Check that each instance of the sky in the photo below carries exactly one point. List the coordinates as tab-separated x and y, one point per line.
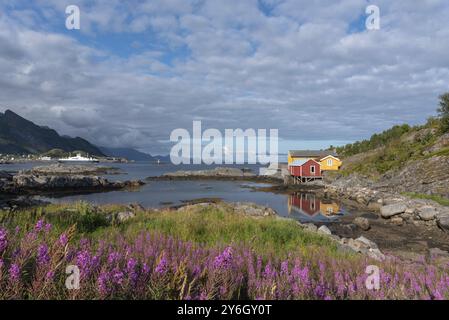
138	69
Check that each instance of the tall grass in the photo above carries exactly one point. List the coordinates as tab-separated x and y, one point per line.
196	254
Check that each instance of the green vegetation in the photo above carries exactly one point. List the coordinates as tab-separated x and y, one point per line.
376	141
443	112
441	200
394	147
208	226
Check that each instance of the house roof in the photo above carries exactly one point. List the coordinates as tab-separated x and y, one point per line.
297	163
329	156
312	153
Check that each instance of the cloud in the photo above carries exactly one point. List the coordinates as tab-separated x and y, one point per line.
139	69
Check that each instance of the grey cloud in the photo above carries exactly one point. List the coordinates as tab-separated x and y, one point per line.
297	70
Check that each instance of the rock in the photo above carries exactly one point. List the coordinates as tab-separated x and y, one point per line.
310	227
69	169
374	206
126	215
397	221
252	209
437	252
443	222
29	182
427	213
214	173
392	210
369	243
324	230
376	254
362	223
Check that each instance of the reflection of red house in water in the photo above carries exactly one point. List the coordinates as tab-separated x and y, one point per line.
304	203
305	170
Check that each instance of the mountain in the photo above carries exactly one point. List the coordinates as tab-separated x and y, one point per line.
132	154
21	136
128	153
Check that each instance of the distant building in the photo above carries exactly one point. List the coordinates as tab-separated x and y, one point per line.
330	163
308	165
305	170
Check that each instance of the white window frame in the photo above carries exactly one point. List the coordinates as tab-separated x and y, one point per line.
330	162
312	170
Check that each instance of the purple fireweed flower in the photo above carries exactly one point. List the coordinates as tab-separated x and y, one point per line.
47	227
145	268
14	272
3	240
117	276
102	283
63	240
42	254
224	259
131	269
284	267
39	225
83	260
17	230
50	275
113	257
162	266
1	264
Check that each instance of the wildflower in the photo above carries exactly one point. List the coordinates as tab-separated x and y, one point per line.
3	240
83	260
117	276
14	272
102	283
50	275
39	225
47	227
113	257
162	266
131	269
42	254
224	259
63	240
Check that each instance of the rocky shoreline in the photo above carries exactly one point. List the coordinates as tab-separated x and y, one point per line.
392	207
60	179
219	173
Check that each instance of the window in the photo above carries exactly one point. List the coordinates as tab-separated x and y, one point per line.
312	170
330	162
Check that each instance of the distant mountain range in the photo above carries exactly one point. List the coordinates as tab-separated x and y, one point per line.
132	154
21	136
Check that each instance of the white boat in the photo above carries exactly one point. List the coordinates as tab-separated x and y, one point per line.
78	158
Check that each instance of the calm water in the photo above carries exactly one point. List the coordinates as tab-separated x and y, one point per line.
302	206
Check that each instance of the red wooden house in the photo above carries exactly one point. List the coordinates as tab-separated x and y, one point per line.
305	170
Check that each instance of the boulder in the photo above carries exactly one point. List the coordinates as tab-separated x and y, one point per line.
427	213
376	254
362	223
126	215
324	230
369	243
397	221
310	227
443	222
252	209
392	210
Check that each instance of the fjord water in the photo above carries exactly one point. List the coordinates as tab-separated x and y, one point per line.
301	206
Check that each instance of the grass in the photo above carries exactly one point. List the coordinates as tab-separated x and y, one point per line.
441	200
207	226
